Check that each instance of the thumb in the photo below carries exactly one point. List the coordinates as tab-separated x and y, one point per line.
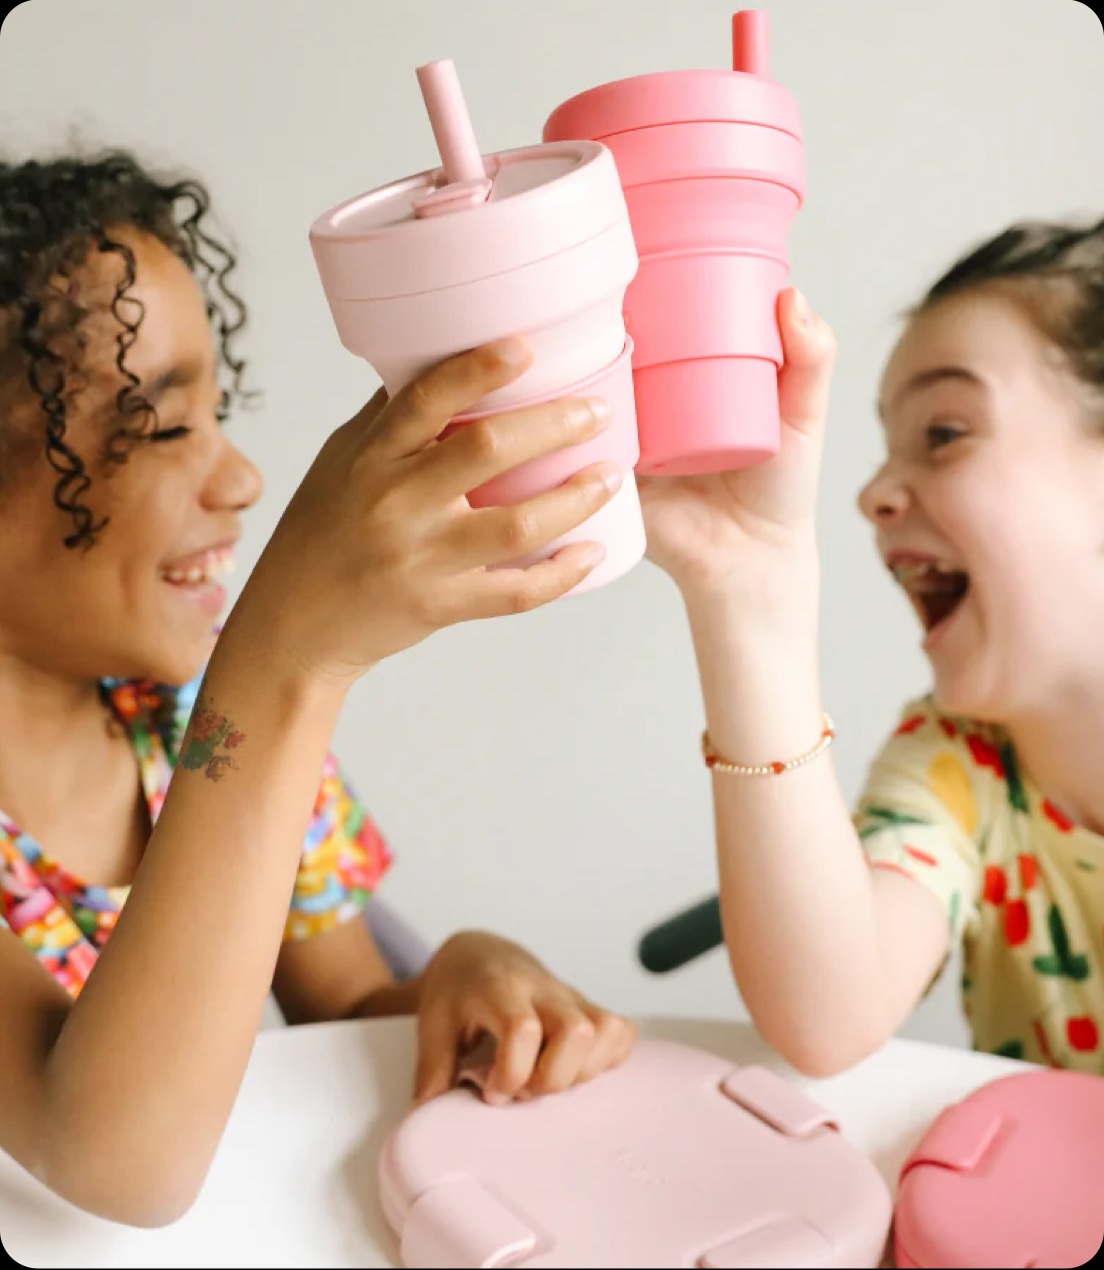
809	349
438	1040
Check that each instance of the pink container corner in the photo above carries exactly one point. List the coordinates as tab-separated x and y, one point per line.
1011	1176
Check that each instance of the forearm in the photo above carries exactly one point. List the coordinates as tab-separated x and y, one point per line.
796	896
145	1071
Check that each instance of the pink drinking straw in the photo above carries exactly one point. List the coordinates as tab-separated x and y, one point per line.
466	183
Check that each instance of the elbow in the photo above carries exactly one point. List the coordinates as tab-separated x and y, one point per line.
157	1198
820	1053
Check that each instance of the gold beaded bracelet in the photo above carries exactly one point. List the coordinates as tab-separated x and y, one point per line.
716	763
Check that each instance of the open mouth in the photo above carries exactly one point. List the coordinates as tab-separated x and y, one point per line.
206	570
935	591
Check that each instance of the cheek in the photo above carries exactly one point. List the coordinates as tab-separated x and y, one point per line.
146	520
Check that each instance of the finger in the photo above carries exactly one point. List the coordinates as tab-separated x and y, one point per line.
571	1036
496	535
438	1049
506	592
477	452
519	1034
421	410
809	349
613	1042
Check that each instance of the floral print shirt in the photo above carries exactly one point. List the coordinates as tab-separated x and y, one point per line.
1022	887
65	921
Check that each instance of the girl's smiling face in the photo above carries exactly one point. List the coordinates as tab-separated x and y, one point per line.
143	601
989	508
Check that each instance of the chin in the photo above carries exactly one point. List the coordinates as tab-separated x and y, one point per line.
965	694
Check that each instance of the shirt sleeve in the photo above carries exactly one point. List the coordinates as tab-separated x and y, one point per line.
344	859
918	813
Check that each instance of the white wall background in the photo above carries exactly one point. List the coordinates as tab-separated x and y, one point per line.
541	776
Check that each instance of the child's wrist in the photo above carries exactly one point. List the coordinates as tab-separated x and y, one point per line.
778	596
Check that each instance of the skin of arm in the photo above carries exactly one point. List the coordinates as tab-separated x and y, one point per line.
829	955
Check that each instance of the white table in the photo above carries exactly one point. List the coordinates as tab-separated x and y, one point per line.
294	1181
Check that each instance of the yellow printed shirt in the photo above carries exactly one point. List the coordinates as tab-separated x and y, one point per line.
66	922
1023	888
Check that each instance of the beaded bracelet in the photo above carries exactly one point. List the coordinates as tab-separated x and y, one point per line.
717	764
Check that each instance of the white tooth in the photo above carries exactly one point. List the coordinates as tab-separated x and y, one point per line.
195	575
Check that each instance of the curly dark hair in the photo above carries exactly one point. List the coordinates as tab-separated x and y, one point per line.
53	215
1056	271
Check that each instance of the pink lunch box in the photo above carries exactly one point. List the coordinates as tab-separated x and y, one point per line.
673	1159
1011	1176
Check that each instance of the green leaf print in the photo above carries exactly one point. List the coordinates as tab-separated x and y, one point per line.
1085	866
1010	1049
1016	795
1058	934
1063	962
885	816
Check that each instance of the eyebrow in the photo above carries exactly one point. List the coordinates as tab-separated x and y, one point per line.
928	378
182	375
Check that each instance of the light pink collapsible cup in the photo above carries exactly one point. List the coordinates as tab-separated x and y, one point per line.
534	242
713	167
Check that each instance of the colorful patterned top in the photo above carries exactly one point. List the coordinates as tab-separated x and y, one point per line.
66	922
1022	887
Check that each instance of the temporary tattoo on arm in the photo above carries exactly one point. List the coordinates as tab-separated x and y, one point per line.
209	735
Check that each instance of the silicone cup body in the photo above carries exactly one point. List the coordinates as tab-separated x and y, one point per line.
712	166
549	256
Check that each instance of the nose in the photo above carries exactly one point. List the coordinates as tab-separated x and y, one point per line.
235	482
884	497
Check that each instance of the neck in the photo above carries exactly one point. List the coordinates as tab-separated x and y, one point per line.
53	726
1061	747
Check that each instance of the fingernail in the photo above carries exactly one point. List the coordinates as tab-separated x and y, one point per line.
611	477
512	351
593	556
802	311
600	409
495	1097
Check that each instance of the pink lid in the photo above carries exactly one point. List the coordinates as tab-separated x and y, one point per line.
543	200
745	95
1011	1176
472	218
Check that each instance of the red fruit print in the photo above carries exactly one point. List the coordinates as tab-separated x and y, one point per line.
949	729
1055	817
910	725
923	856
996	885
892	868
1029	871
1083	1034
1017	923
985	753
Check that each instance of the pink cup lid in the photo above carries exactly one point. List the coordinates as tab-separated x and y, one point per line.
746	94
474	217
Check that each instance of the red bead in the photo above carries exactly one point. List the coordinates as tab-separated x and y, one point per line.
778	768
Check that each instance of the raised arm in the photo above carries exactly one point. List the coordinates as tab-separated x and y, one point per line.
118	1101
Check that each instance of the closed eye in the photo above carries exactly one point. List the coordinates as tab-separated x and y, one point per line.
170	434
939	435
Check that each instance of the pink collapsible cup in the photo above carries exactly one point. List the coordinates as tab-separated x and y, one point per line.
713	167
534	242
